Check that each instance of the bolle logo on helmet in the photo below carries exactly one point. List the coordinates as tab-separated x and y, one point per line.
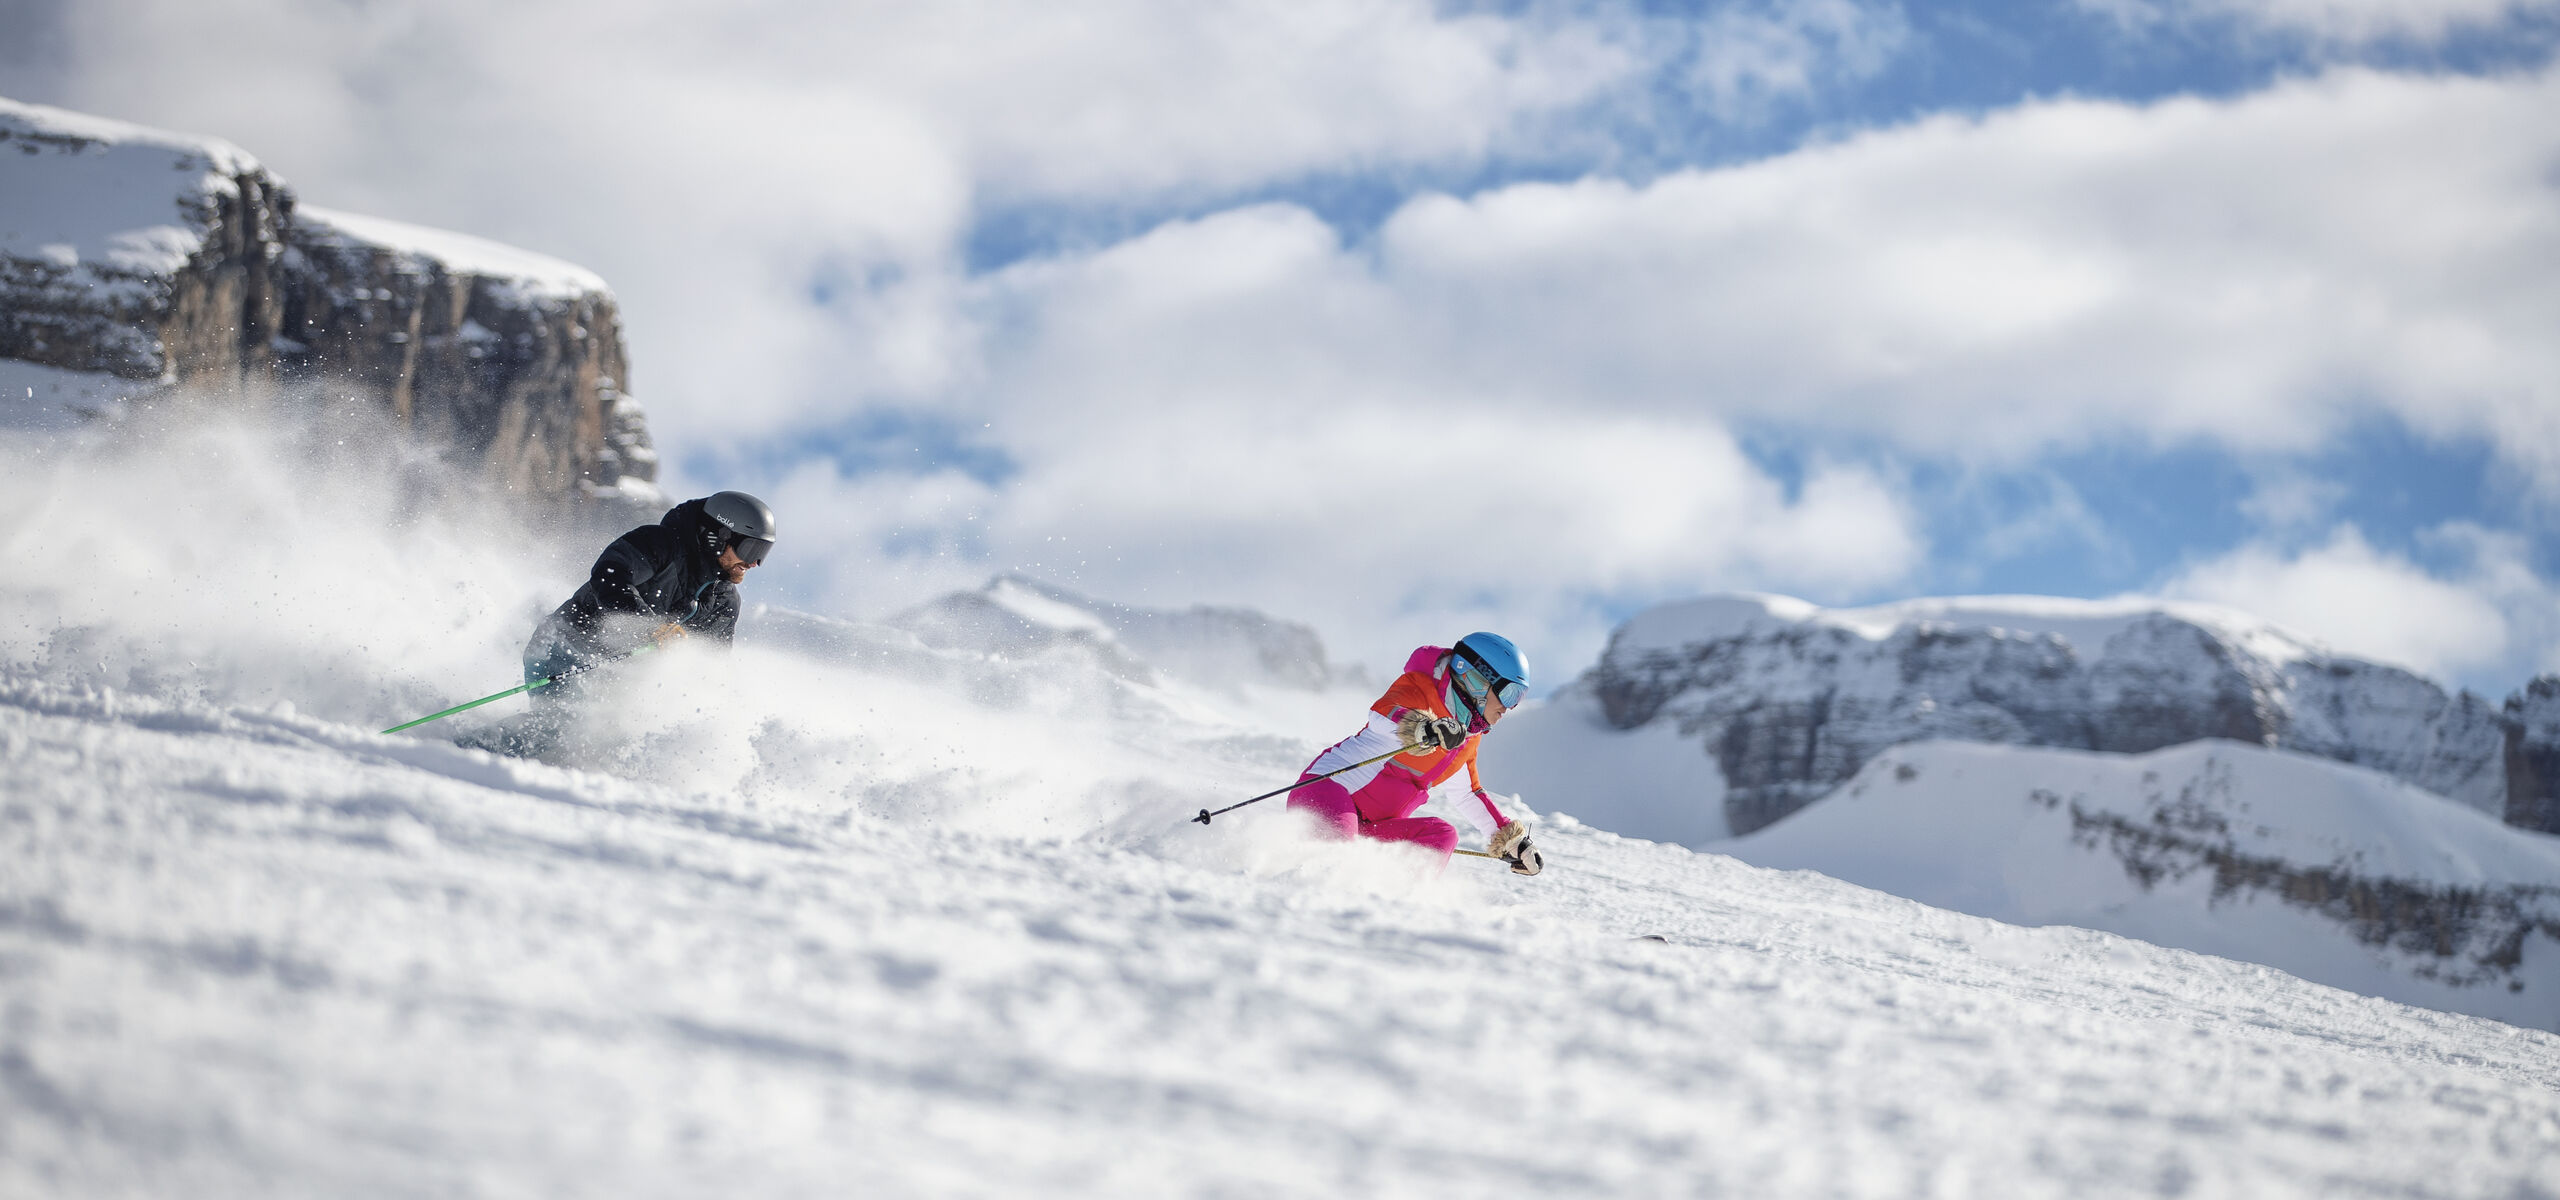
741	524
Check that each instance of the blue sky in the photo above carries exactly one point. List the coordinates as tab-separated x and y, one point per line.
1405	319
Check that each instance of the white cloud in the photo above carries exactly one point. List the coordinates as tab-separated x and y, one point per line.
2259	273
1742	56
2480	620
1242	409
2063	275
2283	499
2340	23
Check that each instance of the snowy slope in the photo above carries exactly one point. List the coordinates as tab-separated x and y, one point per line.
844	913
2330	872
1651	782
260	953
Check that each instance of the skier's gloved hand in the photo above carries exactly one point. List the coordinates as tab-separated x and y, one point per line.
1511	844
1422	731
668	633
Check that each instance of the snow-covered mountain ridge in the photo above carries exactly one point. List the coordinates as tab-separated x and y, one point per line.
1790	701
2331	872
137	262
1015	616
2185	775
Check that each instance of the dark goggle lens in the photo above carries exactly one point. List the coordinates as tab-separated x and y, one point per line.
1482	685
750	550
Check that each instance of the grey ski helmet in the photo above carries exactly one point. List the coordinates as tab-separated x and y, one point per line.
741	522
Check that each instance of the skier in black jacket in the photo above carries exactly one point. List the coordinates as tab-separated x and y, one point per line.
656	583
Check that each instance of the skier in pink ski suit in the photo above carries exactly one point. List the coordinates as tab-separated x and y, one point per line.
1445	702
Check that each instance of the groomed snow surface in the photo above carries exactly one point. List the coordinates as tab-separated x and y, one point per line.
839	914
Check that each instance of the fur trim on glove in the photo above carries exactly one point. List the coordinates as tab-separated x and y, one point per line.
1507	838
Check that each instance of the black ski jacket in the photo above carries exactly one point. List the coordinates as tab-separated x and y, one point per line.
665	572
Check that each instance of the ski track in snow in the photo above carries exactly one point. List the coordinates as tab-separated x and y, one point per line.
838	914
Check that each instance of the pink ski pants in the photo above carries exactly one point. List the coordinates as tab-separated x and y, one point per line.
1377	811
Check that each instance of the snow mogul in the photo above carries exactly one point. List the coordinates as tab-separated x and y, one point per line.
652	586
1438	711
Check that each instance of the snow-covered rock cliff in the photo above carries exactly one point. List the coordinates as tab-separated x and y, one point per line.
2185	775
135	261
1785	702
2533	756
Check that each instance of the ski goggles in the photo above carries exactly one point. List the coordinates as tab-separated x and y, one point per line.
1492	694
750	550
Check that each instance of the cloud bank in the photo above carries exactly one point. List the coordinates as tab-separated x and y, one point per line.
1548	378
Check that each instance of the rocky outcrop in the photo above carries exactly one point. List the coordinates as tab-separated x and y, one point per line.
2448	932
2533	756
1791	701
514	365
2461	936
2328	871
180	263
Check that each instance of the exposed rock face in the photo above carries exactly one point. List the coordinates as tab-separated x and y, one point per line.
180	262
2533	756
511	362
1791	701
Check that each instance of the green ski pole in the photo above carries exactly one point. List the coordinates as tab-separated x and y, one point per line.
543	682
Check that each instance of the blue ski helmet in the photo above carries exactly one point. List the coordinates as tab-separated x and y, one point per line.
1489	673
